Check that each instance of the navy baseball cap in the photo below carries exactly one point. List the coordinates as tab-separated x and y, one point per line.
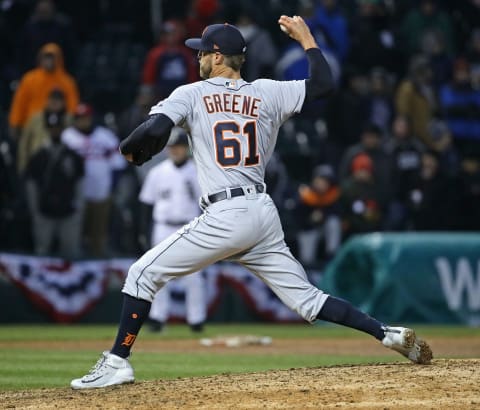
224	38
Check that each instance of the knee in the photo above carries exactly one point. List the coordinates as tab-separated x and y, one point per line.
143	281
138	283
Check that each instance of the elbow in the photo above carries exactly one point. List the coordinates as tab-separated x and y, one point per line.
321	82
320	88
328	82
328	86
159	125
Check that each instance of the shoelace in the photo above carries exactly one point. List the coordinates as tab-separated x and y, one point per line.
97	366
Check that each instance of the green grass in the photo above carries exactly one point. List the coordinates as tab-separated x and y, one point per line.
11	333
35	368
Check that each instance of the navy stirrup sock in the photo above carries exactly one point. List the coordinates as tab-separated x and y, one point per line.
134	313
340	311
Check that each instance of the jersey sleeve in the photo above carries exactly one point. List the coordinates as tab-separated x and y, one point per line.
177	106
287	97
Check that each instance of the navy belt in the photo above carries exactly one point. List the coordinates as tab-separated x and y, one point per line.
234	192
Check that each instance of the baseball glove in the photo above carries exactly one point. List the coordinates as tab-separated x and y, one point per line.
148	139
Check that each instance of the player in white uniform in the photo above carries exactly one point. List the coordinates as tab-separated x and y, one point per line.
233	127
170	193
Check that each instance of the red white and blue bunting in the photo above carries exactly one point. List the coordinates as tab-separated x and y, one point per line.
66	291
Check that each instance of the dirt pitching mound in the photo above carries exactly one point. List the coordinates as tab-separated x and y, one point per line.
443	384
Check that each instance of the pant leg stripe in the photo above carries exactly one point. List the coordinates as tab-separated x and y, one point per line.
153	261
164	250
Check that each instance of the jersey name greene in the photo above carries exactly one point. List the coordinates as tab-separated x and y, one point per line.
234	103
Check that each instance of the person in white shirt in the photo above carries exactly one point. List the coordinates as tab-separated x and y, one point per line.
170	195
98	146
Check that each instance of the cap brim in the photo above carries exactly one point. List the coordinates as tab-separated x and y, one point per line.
195	43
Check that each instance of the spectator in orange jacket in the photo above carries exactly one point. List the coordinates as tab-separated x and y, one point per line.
35	86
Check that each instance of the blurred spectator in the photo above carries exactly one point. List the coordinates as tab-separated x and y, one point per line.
361	202
433	46
36	85
373	38
125	203
170	64
381	105
318	211
45	25
277	180
201	14
134	115
465	17
431	199
473	48
437	109
123	226
347	112
415	98
98	146
460	104
372	145
13	211
36	133
426	16
406	155
54	189
468	194
475	76
447	154
330	18
261	54
88	16
7	69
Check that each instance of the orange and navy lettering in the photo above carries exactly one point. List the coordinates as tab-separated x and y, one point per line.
129	339
250	130
232	103
228	150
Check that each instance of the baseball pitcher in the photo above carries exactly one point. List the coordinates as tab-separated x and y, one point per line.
233	126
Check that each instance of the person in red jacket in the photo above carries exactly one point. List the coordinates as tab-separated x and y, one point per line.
170	64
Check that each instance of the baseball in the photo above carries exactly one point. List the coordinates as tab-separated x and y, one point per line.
284	29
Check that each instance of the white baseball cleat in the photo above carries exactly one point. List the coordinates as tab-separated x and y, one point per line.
109	370
405	342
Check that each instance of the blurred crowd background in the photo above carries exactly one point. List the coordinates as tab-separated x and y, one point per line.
395	148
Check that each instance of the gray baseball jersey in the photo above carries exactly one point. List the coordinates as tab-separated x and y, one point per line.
233	126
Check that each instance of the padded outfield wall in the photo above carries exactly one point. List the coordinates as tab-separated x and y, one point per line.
410	277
